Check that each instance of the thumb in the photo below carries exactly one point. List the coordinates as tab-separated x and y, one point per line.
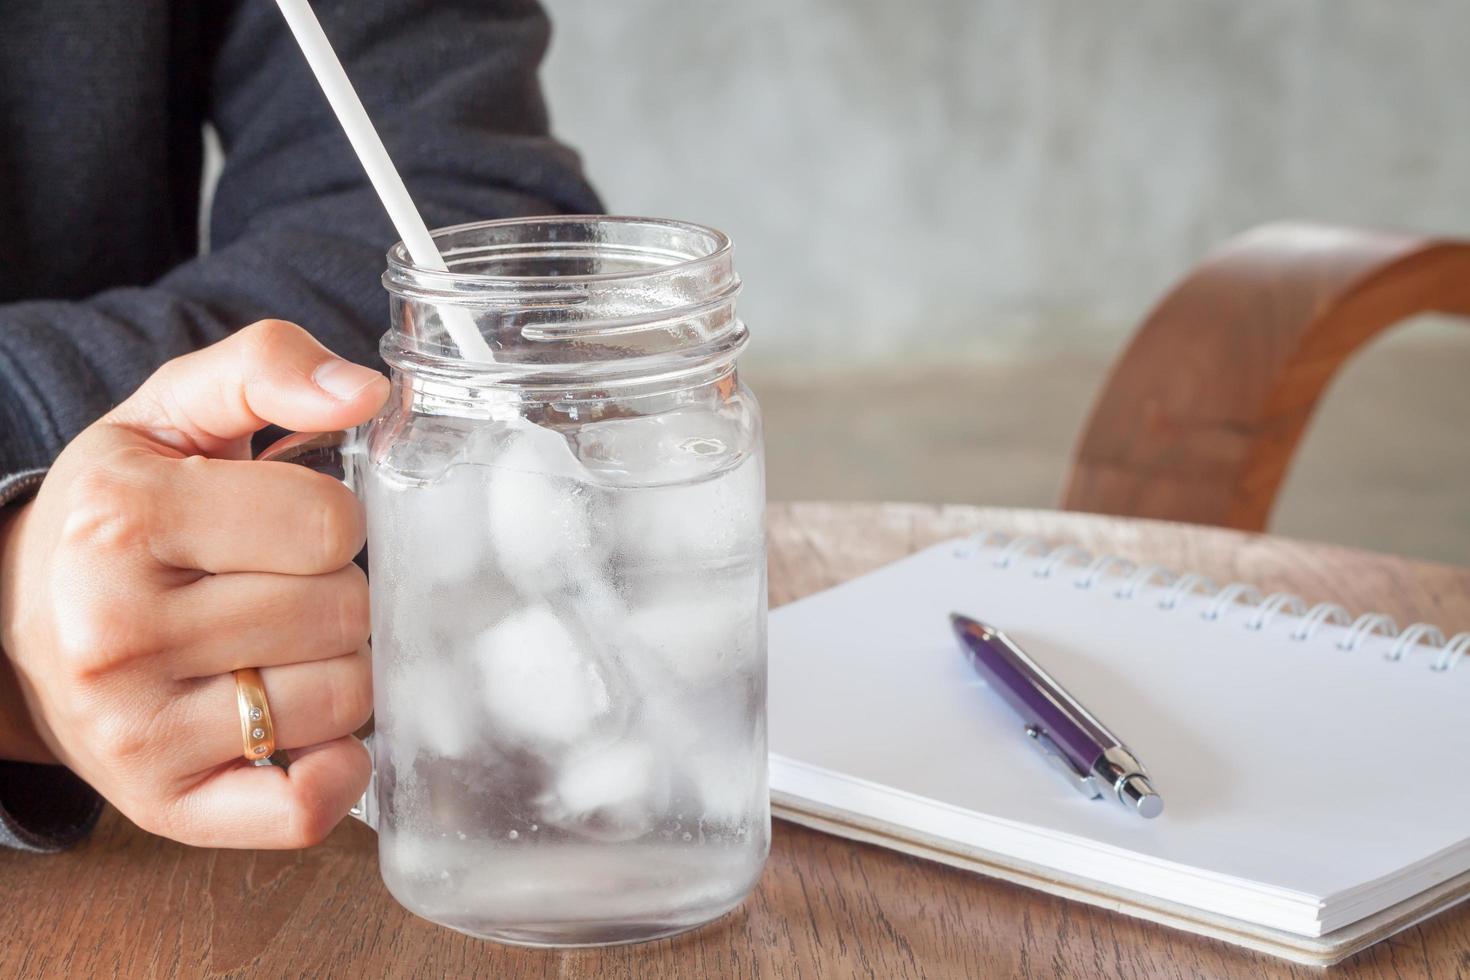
269	373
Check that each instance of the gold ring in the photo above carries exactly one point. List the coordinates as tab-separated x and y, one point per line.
255	715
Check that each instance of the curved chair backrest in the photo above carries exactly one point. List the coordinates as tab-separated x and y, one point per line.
1200	415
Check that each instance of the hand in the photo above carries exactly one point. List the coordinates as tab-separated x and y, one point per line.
157	558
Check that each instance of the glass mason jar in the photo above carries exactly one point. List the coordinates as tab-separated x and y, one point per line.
567	561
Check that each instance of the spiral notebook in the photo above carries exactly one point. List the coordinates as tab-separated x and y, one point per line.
1314	766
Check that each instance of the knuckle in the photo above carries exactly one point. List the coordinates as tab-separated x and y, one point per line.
339	528
311	820
192	471
164	818
118	736
79	645
147	818
267	340
99	635
354	610
144	818
104	512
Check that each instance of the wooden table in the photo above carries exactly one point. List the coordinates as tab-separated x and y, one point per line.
125	903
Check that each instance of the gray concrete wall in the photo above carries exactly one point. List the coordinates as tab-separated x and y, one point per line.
999	176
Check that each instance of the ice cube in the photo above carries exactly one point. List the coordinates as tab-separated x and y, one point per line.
429	706
711	522
698	634
728	785
437	531
611	793
670	447
541	685
540	513
599	611
411	854
446	721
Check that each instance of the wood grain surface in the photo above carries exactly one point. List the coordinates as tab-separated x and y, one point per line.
128	904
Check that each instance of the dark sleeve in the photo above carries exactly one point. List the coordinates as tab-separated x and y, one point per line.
44	808
296	230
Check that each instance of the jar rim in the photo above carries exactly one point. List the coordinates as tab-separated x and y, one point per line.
400	263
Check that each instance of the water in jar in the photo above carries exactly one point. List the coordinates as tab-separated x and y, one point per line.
569	660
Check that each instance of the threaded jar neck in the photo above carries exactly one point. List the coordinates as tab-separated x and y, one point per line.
570	302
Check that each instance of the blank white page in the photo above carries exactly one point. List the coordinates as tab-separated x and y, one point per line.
1293	772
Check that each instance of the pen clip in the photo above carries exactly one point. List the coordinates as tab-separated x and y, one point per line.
1084	783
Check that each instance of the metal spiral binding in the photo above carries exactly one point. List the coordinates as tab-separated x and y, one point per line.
1055	557
1365	626
1322	612
1452	651
1235	592
1100	567
1143	577
1184	585
1275	603
1263	609
1019	547
1413	634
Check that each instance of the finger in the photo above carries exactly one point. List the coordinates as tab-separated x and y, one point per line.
256	619
249	806
309	703
225	515
271	372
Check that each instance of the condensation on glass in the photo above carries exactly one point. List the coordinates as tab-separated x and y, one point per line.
568	576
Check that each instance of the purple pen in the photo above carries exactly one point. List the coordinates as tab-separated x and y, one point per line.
1092	758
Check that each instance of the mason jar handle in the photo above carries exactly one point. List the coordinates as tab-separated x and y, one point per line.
326	452
320	451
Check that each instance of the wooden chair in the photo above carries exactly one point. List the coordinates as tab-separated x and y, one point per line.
1200	415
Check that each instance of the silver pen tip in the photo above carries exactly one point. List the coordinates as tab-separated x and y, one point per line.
1138	795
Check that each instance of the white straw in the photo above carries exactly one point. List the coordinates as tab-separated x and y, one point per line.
380	170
